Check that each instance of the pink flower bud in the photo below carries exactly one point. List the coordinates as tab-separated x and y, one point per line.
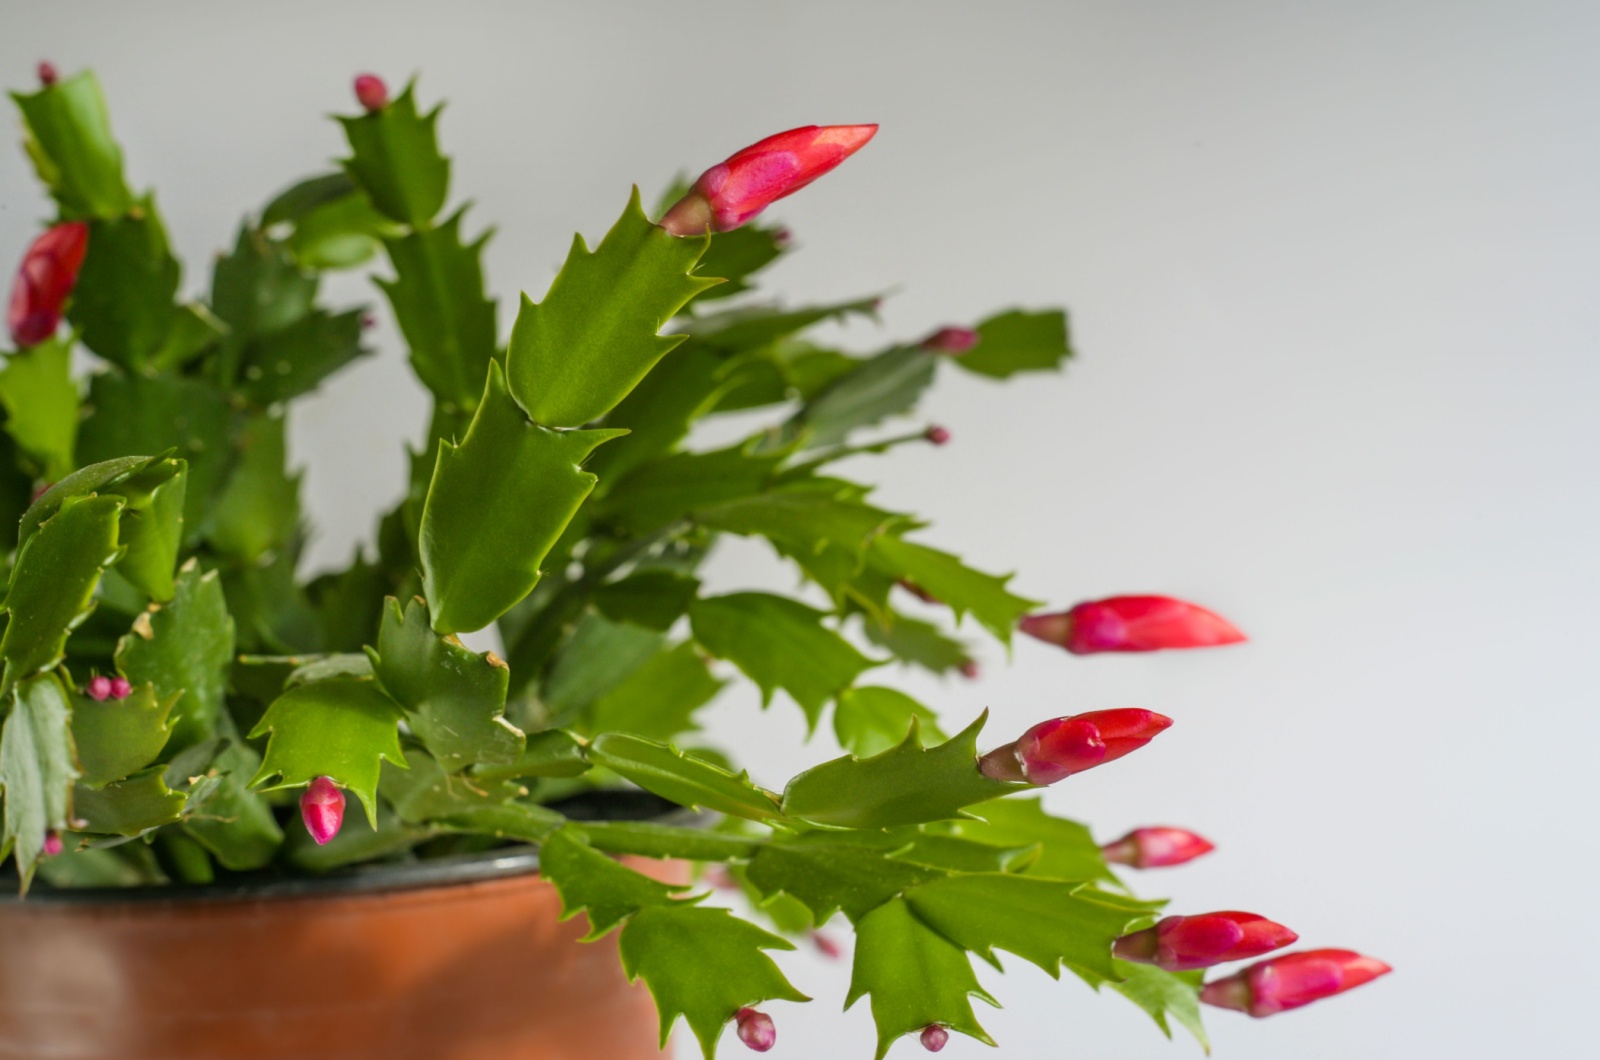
937	435
732	192
1131	623
721	879
1154	848
371	92
756	1029
1184	943
99	689
368	321
954	341
121	688
44	280
322	809
1054	750
1293	980
781	238
970	669
826	945
47	73
53	844
933	1037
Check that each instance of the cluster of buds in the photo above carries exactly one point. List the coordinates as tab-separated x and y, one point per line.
1056	749
44	281
102	688
322	809
1131	623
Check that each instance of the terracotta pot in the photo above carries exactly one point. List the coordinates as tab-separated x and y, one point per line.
454	960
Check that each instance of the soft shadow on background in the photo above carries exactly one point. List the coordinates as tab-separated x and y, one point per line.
1332	270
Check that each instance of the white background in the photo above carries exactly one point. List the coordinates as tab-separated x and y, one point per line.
1332	268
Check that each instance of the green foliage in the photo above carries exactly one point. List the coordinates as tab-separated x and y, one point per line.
69	140
658	700
128	807
53	582
283	364
869	721
589	881
956	585
124	299
498	502
654	599
37	768
1018	341
115	738
886	385
41	404
394	157
259	508
575	356
235	824
668	772
836	871
1066	849
1164	995
917	642
184	648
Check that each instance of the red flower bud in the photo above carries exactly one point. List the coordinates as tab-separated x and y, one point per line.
371	92
970	669
756	1029
1154	848
1184	943
53	844
954	341
1131	623
121	688
322	809
934	1037
827	945
1054	750
1293	980
937	435
47	73
732	192
44	280
99	689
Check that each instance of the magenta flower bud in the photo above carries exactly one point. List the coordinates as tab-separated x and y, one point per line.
368	321
1154	848
756	1029
44	281
731	193
937	435
99	689
1184	943
781	238
1131	623
53	844
47	73
970	669
322	809
1293	980
371	92
953	341
827	946
121	688
933	1037
1054	750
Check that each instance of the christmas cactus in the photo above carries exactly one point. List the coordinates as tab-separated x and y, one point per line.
181	707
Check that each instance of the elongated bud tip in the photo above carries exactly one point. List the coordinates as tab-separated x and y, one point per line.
1293	980
937	435
827	945
1131	623
121	688
322	809
98	689
47	73
53	844
371	92
933	1037
1054	750
952	341
1185	943
44	281
1156	847
756	1029
970	669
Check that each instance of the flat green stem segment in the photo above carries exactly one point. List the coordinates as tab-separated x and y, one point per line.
41	404
668	772
1018	341
394	157
37	769
118	737
69	140
498	502
455	698
129	807
184	646
588	880
578	353
953	583
340	729
53	582
915	976
666	841
909	784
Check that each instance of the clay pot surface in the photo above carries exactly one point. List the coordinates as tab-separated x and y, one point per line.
479	969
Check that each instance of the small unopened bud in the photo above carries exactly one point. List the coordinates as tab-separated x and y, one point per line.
937	435
121	688
1155	848
1293	980
1054	750
1184	943
53	844
99	689
826	945
953	341
720	878
934	1037
781	238
45	279
47	73
368	321
39	491
1131	623
756	1029
322	809
970	669
371	92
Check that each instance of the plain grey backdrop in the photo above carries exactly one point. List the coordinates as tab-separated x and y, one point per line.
1332	270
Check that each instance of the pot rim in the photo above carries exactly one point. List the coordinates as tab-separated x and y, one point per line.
521	859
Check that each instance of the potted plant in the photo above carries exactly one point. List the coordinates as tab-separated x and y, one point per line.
187	720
